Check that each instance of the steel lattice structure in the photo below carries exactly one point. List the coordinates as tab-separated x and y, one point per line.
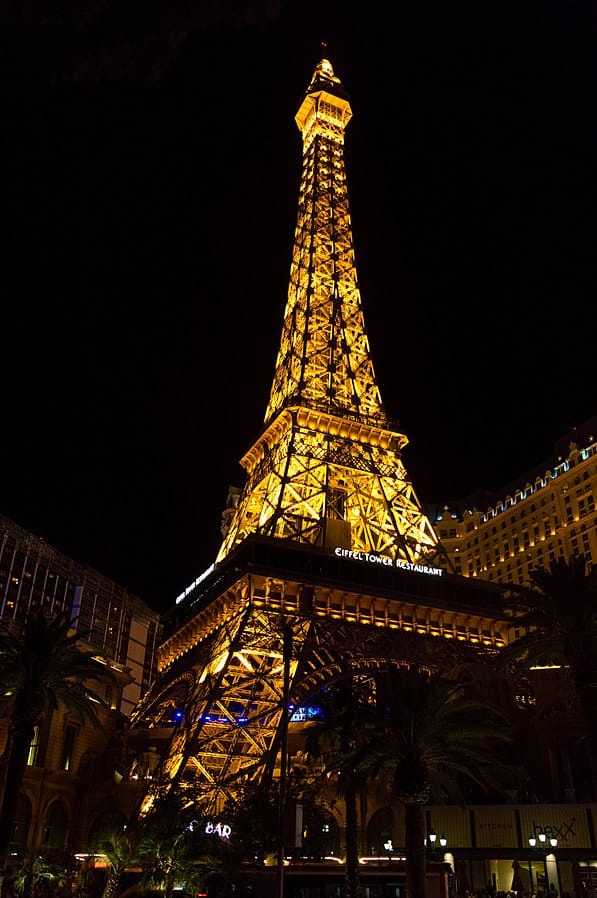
327	467
326	486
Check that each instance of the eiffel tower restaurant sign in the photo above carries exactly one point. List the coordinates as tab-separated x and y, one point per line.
372	558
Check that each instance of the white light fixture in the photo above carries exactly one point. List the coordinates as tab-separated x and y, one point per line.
431	841
544	844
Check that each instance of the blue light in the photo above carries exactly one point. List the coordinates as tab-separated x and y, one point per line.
305	713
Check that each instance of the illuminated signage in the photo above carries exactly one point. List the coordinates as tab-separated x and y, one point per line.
195	583
304	713
212	829
218	829
372	558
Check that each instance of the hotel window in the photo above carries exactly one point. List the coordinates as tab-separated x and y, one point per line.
33	748
68	744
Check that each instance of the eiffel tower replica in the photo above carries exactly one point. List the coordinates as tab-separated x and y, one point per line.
329	565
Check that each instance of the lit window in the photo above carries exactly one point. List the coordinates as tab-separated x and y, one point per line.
33	748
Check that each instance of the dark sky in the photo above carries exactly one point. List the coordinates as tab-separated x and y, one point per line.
151	165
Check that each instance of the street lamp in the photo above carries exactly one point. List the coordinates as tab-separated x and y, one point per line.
434	843
546	847
287	657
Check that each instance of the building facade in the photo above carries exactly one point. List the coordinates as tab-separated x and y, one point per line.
117	623
73	778
546	514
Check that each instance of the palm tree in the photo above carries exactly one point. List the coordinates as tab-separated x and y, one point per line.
557	618
339	740
41	667
253	817
173	845
32	868
431	739
121	851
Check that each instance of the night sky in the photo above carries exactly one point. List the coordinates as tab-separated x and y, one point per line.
151	166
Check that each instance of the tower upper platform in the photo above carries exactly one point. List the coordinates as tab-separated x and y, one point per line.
326	469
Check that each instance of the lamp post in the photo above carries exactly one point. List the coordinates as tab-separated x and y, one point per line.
389	849
435	848
435	843
546	846
286	656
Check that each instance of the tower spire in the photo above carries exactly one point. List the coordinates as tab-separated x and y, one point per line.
326	468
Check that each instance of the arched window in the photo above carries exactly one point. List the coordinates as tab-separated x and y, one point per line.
20	827
54	832
381	829
320	833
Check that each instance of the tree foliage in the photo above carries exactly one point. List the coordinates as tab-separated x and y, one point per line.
431	739
418	733
42	667
555	618
339	741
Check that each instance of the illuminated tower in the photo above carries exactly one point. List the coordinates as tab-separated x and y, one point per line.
328	566
327	469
